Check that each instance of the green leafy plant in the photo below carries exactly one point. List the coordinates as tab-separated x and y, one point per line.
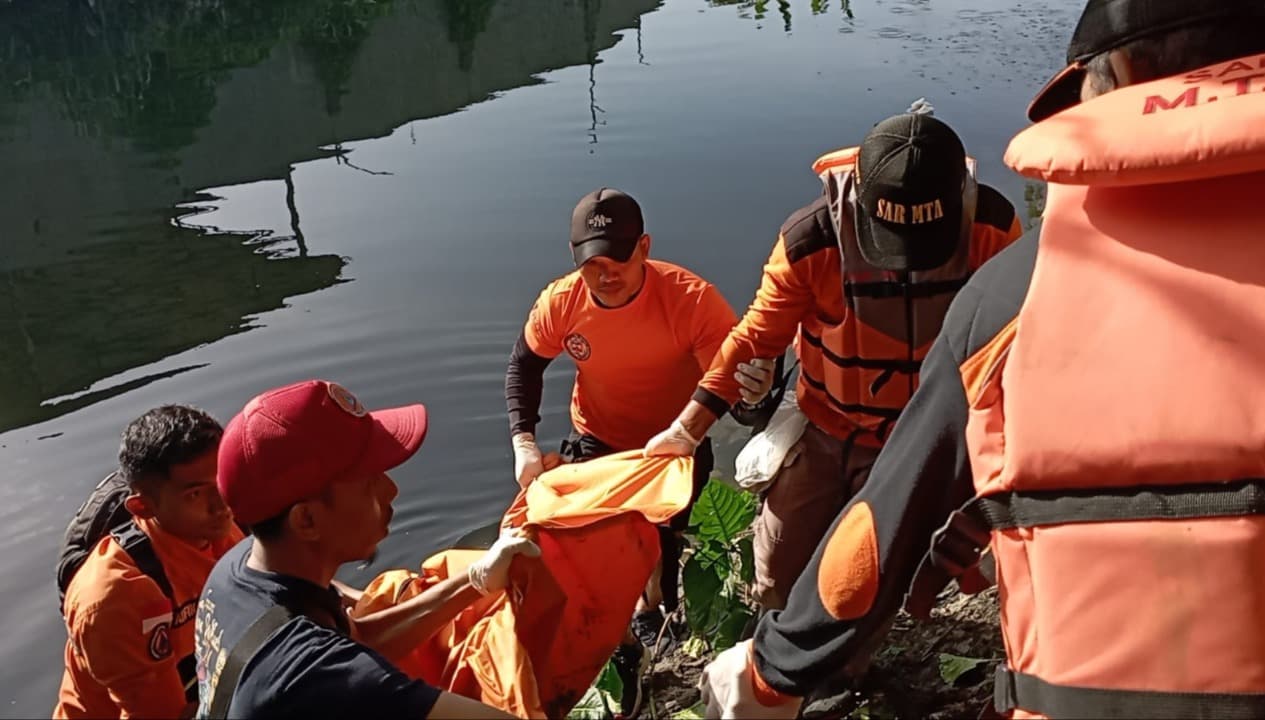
954	667
600	700
721	565
690	713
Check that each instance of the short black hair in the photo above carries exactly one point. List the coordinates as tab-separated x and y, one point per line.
274	527
1181	50
271	528
163	437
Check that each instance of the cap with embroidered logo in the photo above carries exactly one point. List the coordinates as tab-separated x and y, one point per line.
912	171
290	443
605	223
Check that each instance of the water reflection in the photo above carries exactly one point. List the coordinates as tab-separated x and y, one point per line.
758	9
116	115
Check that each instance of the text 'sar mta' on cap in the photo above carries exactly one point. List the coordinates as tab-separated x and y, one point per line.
912	170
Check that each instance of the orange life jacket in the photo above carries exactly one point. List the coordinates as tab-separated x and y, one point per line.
1117	426
868	361
534	650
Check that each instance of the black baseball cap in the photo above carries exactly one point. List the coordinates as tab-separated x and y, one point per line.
605	223
1109	24
911	170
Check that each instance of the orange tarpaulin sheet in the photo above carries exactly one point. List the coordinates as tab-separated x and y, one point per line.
535	649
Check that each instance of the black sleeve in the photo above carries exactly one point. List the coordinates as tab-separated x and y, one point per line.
920	478
524	385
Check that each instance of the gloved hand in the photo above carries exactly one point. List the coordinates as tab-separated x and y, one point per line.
729	692
676	440
528	464
756	379
491	572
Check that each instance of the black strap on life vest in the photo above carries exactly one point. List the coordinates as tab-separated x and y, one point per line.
1151	502
1013	690
853	361
880	412
259	631
883	289
956	548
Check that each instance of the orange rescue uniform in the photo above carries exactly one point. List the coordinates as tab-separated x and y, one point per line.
1098	415
858	359
636	365
126	638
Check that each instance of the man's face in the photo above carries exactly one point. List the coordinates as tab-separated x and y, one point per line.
187	503
355	515
615	283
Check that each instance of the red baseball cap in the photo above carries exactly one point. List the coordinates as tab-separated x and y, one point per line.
288	444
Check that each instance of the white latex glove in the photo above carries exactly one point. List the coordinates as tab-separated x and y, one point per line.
756	379
528	464
728	692
491	573
676	440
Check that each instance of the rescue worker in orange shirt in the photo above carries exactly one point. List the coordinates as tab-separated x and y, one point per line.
130	651
641	333
1124	518
862	317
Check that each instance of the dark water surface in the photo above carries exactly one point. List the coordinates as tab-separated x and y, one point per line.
199	204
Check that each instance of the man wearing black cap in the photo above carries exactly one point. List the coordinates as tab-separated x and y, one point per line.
863	277
1126	549
641	333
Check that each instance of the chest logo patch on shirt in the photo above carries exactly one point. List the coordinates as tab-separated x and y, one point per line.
578	347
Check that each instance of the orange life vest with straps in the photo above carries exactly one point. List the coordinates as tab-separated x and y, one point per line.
1117	426
866	362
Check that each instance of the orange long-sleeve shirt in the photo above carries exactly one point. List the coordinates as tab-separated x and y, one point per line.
801	296
125	638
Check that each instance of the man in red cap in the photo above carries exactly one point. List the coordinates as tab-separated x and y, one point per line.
304	467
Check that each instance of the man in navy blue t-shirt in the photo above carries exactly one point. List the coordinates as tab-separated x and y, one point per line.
304	467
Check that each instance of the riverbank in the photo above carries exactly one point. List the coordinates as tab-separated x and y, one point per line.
937	669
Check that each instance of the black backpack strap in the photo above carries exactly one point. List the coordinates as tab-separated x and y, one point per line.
100	513
137	544
140	548
241	653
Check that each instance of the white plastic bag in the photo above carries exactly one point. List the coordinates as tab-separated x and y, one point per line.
758	463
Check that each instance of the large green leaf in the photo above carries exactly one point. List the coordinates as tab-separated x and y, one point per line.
609	681
591	707
721	512
702	587
953	667
691	713
736	615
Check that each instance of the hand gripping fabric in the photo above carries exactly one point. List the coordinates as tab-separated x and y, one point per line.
534	649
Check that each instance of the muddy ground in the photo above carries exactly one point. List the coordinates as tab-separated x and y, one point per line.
904	680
